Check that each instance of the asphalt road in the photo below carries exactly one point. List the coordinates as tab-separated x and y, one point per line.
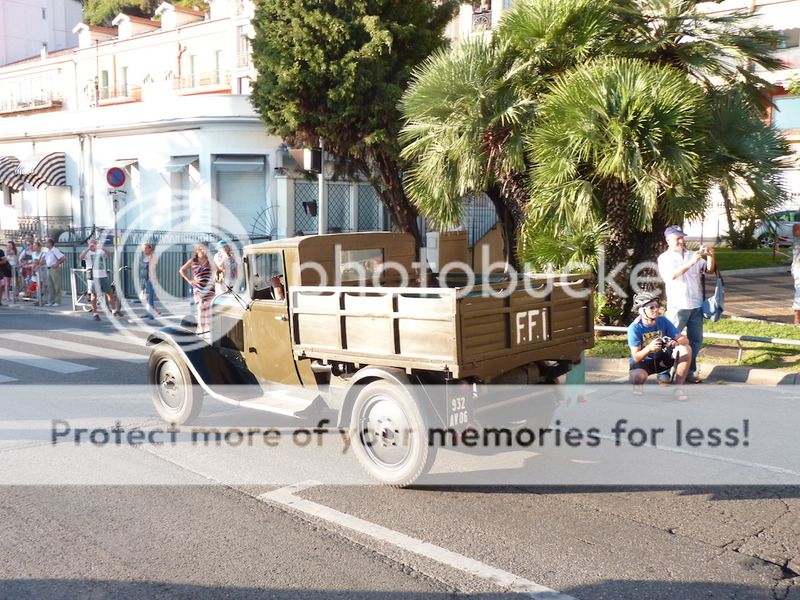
174	520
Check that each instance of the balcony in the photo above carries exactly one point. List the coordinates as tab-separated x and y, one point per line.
23	103
119	94
202	83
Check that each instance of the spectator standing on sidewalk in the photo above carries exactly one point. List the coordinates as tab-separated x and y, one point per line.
97	276
53	258
38	273
5	278
13	262
227	262
796	272
203	273
680	269
147	274
26	270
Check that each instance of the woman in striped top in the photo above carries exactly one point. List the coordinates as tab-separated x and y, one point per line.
203	273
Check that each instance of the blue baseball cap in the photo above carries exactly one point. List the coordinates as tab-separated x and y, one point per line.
674	230
221	244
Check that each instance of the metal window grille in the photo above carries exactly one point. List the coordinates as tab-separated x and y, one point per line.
369	209
338	207
305	195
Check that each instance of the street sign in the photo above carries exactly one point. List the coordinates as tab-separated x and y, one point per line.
115	177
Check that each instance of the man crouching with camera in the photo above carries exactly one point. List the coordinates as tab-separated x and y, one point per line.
656	345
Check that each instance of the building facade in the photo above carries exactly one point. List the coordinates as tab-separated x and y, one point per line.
28	26
147	127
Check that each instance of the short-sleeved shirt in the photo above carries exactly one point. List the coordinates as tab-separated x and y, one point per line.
685	291
639	334
52	257
96	261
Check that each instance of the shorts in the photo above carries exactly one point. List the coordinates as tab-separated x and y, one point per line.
661	361
101	285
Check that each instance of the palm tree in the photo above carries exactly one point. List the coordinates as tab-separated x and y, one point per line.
463	132
746	161
610	140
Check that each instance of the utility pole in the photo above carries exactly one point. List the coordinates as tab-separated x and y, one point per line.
322	208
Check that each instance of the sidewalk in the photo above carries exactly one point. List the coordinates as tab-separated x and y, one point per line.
169	314
617	369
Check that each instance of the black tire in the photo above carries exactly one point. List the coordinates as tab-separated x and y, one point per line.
389	434
174	391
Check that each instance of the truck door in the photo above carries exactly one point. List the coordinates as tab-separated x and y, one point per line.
268	346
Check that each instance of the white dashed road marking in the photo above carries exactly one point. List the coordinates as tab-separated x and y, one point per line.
41	362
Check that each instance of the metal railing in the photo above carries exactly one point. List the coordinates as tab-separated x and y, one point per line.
720	336
35	101
201	80
121	92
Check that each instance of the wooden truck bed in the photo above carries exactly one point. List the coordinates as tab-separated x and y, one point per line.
433	329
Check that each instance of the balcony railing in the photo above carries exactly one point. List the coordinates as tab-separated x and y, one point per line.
196	81
111	94
44	99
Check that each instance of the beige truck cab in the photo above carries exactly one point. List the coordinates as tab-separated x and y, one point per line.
345	326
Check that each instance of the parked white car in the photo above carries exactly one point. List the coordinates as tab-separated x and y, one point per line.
778	226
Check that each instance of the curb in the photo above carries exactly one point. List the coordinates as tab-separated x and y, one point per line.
759	271
729	373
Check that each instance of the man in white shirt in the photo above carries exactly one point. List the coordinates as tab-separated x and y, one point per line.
681	269
97	276
54	258
227	262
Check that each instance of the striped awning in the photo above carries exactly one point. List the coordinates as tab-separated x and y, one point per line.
44	169
8	177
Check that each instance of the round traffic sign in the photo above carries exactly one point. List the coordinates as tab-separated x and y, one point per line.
116	177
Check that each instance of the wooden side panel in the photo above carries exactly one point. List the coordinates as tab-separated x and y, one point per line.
430	339
372	333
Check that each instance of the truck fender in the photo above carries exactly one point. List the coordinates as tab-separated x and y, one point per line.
205	362
393	375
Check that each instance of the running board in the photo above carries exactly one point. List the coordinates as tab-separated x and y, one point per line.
299	404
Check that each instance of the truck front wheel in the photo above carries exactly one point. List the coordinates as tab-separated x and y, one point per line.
389	434
176	396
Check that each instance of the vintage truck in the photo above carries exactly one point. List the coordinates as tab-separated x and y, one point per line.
357	334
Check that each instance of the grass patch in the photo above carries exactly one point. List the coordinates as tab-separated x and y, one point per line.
756	354
730	259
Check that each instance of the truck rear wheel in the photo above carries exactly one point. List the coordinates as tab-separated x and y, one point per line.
176	396
389	434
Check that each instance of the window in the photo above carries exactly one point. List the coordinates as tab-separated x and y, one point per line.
791	39
265	276
360	265
217	75
786	114
193	70
124	76
243	46
104	91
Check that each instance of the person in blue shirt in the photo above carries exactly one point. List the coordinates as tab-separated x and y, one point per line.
656	345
